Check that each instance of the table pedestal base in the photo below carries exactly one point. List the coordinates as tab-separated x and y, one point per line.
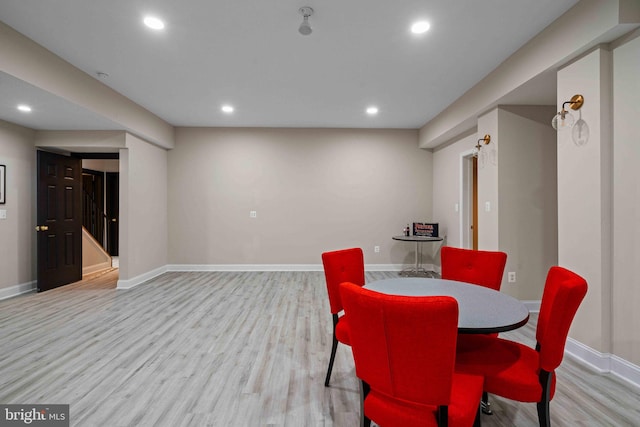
418	270
421	272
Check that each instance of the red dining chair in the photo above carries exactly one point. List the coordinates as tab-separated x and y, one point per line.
484	268
404	351
519	372
346	265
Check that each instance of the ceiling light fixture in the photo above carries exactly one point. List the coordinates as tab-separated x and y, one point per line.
420	27
24	108
564	120
305	28
153	23
372	110
227	109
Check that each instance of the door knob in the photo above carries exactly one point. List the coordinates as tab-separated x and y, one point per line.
42	227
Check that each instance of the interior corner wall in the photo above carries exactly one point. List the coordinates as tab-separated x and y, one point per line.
143	236
313	190
584	187
528	208
626	201
17	238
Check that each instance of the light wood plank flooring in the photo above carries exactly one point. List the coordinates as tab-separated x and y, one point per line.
224	349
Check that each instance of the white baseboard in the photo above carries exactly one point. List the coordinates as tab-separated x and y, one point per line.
389	267
603	362
600	362
14	291
395	267
130	283
272	267
625	370
96	268
244	267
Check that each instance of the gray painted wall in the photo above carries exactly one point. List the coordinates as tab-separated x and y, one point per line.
313	190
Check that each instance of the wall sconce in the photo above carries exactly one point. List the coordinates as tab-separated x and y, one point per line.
564	119
305	27
485	140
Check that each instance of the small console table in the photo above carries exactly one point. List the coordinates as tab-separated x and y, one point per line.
418	270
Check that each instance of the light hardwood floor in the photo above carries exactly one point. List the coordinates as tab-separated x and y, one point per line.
224	349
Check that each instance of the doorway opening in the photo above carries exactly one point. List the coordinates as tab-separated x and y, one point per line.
468	200
100	194
77	212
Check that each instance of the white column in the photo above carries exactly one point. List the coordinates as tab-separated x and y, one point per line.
584	194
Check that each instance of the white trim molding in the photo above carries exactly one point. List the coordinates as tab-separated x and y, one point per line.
14	291
96	268
244	267
625	370
604	362
394	267
131	283
274	267
601	362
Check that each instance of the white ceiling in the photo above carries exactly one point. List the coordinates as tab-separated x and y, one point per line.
250	54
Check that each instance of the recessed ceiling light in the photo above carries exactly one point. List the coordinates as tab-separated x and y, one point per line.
24	108
153	23
372	110
227	108
420	27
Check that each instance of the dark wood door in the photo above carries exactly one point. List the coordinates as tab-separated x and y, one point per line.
59	219
112	208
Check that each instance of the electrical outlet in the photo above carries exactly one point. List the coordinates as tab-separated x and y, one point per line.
253	214
511	277
376	249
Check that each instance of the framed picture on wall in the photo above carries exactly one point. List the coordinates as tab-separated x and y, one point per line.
3	184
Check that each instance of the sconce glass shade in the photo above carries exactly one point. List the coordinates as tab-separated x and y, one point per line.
563	120
580	133
482	159
305	28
